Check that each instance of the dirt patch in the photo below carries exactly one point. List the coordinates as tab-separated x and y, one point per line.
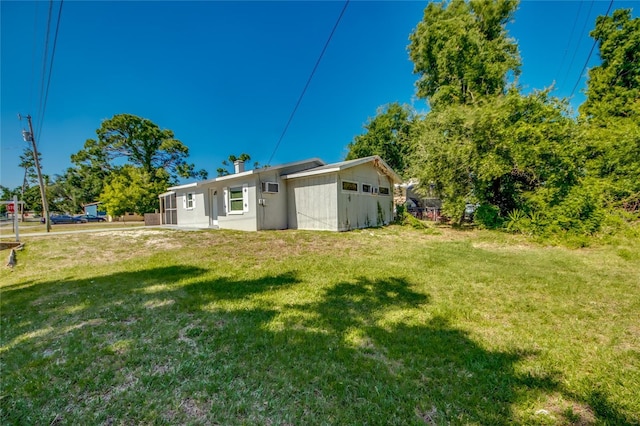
6	245
496	247
566	411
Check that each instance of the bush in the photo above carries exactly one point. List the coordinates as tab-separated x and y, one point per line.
488	216
410	220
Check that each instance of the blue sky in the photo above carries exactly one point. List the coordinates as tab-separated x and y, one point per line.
225	76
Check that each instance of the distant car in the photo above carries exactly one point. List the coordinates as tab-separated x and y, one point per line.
92	218
65	218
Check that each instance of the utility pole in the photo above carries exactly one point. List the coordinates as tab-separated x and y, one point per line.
29	137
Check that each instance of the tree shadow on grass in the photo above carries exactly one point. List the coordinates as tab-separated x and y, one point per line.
364	352
361	354
69	342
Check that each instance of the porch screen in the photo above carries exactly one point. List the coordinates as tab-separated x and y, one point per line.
168	210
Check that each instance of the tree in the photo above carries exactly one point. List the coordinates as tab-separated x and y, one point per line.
510	152
142	144
387	135
132	189
613	88
462	52
78	186
611	114
27	162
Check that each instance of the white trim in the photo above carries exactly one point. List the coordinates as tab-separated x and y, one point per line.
245	199
186	200
186	185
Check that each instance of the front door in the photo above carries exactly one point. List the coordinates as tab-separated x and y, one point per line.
213	208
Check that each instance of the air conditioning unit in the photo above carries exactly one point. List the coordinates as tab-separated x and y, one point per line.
270	187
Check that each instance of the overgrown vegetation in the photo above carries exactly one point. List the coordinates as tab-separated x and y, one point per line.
388	326
528	163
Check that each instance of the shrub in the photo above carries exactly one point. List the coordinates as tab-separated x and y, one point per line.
488	216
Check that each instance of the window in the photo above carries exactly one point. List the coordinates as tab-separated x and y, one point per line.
384	190
270	187
236	200
189	201
349	186
366	188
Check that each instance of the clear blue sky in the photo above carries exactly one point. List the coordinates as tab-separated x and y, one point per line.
225	76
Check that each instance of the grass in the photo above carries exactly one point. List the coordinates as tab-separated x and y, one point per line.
385	326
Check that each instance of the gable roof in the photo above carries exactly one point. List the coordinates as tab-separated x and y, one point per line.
342	165
312	163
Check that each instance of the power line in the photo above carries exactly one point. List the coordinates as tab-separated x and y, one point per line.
306	86
573	29
44	64
588	57
53	54
33	58
573	57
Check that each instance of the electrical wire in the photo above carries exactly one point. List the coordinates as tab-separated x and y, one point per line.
575	52
306	86
588	57
573	29
44	64
53	54
32	80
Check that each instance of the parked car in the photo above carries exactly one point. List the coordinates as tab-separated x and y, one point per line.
92	218
65	218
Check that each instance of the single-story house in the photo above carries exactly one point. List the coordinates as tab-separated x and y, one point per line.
93	209
306	194
419	205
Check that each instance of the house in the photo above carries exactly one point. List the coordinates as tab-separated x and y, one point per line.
306	194
419	205
93	209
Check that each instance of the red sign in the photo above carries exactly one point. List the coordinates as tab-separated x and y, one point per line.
10	208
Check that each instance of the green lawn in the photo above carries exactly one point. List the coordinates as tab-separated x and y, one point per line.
384	326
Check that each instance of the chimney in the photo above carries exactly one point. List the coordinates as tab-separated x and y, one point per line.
238	166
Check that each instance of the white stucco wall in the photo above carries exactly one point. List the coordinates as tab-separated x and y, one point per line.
241	221
272	213
195	217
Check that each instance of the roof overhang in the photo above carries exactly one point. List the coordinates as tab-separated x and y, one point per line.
233	176
378	162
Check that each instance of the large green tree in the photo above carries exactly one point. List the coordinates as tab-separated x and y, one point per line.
387	135
122	142
138	142
611	113
613	88
462	52
509	152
